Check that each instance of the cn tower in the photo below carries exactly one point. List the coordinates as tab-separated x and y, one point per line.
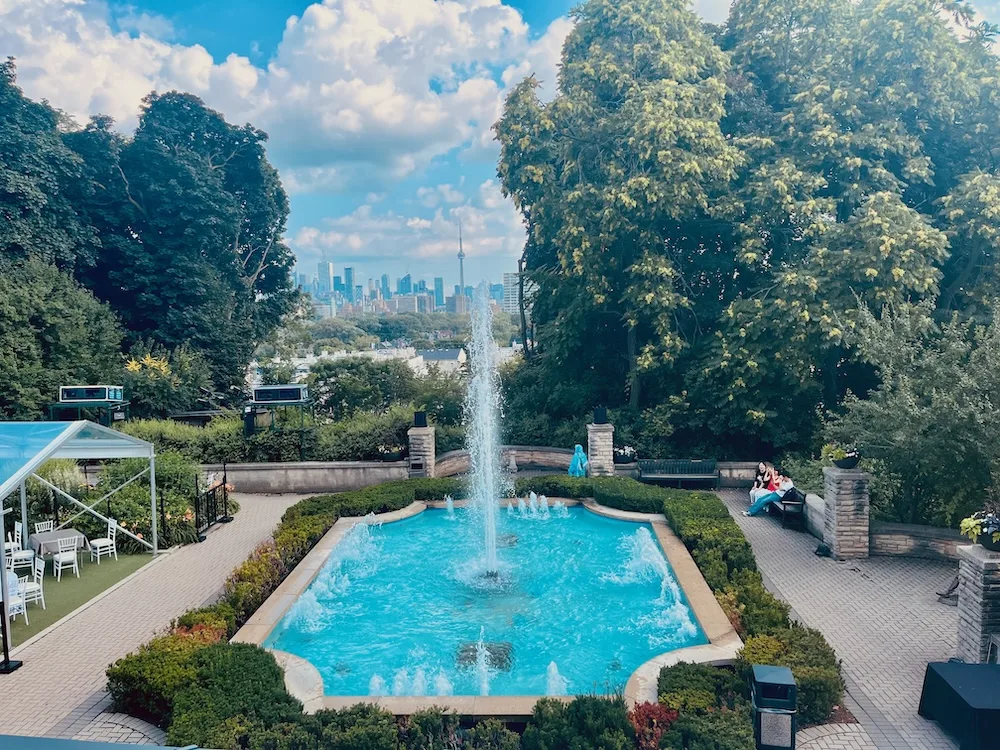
461	262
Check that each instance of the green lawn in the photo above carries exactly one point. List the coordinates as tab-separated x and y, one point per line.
62	597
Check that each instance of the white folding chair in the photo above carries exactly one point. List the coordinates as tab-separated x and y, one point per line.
105	547
43	526
20	557
66	558
16	605
32	590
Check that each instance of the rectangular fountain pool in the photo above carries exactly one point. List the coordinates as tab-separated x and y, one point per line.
402	609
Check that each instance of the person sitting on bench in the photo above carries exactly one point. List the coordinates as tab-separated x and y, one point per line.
782	484
761	481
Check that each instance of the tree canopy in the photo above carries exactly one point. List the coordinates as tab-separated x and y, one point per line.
707	206
176	230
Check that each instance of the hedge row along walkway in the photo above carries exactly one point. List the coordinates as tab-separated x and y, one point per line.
881	615
59	691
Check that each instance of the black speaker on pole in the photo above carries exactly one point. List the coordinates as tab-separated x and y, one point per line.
420	419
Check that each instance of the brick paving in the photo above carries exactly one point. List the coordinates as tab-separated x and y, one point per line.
122	729
881	615
60	689
834	737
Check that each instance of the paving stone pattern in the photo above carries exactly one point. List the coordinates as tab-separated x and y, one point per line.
880	614
60	689
834	737
122	729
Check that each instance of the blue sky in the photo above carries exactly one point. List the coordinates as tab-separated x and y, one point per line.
378	110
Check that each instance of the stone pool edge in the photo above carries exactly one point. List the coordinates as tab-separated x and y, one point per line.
304	682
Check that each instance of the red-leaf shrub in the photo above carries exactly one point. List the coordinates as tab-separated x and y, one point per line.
651	721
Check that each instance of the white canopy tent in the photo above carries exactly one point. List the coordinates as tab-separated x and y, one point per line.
25	446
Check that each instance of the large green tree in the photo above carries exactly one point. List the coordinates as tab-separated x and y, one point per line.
615	179
53	332
190	217
716	251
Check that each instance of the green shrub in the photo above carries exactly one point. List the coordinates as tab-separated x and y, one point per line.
256	579
587	722
427	489
491	734
812	661
760	610
219	616
430	729
555	485
627	494
232	679
361	727
145	682
721	730
684	686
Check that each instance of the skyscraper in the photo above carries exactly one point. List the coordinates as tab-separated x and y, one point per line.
325	277
349	283
438	291
386	293
338	284
496	293
405	285
510	293
461	259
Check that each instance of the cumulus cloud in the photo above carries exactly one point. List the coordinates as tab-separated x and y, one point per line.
359	93
490	227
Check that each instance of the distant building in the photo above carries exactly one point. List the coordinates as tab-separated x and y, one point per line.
338	284
438	291
359	294
405	285
446	360
457	304
511	293
421	287
386	292
496	293
325	278
405	303
324	309
425	303
349	284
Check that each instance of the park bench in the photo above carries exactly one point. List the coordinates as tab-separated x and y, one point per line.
679	470
792	507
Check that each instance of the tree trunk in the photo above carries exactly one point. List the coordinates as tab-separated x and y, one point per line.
633	370
520	305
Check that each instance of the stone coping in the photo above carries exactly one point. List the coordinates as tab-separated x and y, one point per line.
979	556
304	681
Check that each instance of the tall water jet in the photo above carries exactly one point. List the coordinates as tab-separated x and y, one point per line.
482	415
377	686
482	664
449	505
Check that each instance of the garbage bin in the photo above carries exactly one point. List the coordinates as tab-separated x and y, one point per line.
773	698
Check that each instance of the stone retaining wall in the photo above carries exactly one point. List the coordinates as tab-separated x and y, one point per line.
457	462
304	477
911	540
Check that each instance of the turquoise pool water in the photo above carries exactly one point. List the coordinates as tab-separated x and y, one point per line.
400	610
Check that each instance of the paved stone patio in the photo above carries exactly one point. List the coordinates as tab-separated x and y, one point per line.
60	691
834	737
880	614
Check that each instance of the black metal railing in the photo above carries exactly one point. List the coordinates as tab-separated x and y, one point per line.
211	506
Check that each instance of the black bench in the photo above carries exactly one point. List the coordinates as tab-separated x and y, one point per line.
679	470
792	507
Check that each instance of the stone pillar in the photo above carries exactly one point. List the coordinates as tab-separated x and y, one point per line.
601	449
845	527
423	447
978	601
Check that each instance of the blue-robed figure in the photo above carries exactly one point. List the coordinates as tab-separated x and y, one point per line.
578	464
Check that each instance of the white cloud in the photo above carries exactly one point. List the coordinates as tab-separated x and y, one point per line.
490	227
358	92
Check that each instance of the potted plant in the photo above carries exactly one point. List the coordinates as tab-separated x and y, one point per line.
983	526
842	457
624	455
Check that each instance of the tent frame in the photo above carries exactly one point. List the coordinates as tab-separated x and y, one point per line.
69	444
